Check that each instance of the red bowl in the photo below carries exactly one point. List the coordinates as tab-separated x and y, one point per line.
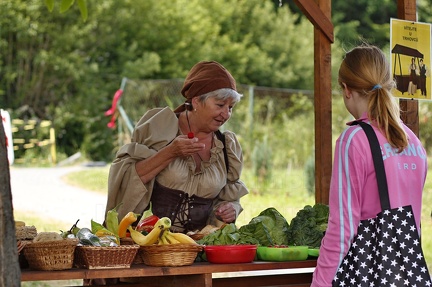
230	253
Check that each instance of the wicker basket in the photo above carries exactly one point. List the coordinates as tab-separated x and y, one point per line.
169	254
50	255
93	257
129	241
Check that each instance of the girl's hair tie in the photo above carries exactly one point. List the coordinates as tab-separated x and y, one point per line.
377	86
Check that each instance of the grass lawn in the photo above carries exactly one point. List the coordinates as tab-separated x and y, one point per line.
286	192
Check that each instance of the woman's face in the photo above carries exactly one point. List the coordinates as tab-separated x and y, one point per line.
213	113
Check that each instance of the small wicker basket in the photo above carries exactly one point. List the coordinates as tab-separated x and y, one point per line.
169	254
50	255
93	257
129	241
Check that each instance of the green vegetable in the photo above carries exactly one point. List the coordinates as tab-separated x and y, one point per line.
72	231
148	212
308	226
322	215
228	235
269	228
95	227
111	220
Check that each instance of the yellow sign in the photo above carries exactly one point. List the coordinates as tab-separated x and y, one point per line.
410	44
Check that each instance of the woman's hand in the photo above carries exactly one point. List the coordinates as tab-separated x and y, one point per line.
183	146
226	212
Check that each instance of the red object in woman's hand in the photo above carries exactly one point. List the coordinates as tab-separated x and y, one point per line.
191	135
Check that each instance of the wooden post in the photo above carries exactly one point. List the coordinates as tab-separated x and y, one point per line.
407	10
319	13
10	272
323	113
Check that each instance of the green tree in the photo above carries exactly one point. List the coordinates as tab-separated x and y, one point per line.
55	67
44	62
65	5
359	18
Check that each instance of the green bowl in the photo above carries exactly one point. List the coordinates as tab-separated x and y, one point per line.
289	253
314	252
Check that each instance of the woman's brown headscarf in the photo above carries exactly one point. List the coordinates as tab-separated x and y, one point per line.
205	77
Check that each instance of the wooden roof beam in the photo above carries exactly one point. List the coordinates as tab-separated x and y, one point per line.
316	17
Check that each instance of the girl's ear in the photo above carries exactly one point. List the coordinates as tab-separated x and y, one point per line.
343	85
346	92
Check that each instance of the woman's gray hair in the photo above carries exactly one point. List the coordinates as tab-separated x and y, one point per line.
222	94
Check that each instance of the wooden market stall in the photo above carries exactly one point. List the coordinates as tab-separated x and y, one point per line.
319	13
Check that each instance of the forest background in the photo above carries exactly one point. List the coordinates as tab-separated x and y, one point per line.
57	67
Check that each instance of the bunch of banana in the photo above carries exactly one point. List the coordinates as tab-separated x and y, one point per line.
163	224
168	237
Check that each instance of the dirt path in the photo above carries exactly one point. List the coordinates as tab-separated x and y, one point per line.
43	192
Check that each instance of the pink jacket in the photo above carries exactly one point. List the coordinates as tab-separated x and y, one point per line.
354	192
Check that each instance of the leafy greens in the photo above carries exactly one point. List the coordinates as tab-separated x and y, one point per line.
308	226
269	228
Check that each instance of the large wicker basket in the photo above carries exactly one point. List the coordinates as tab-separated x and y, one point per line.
50	255
93	257
169	254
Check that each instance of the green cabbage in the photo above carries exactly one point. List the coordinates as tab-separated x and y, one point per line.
308	226
269	228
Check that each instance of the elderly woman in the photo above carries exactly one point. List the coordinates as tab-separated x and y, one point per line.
180	161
